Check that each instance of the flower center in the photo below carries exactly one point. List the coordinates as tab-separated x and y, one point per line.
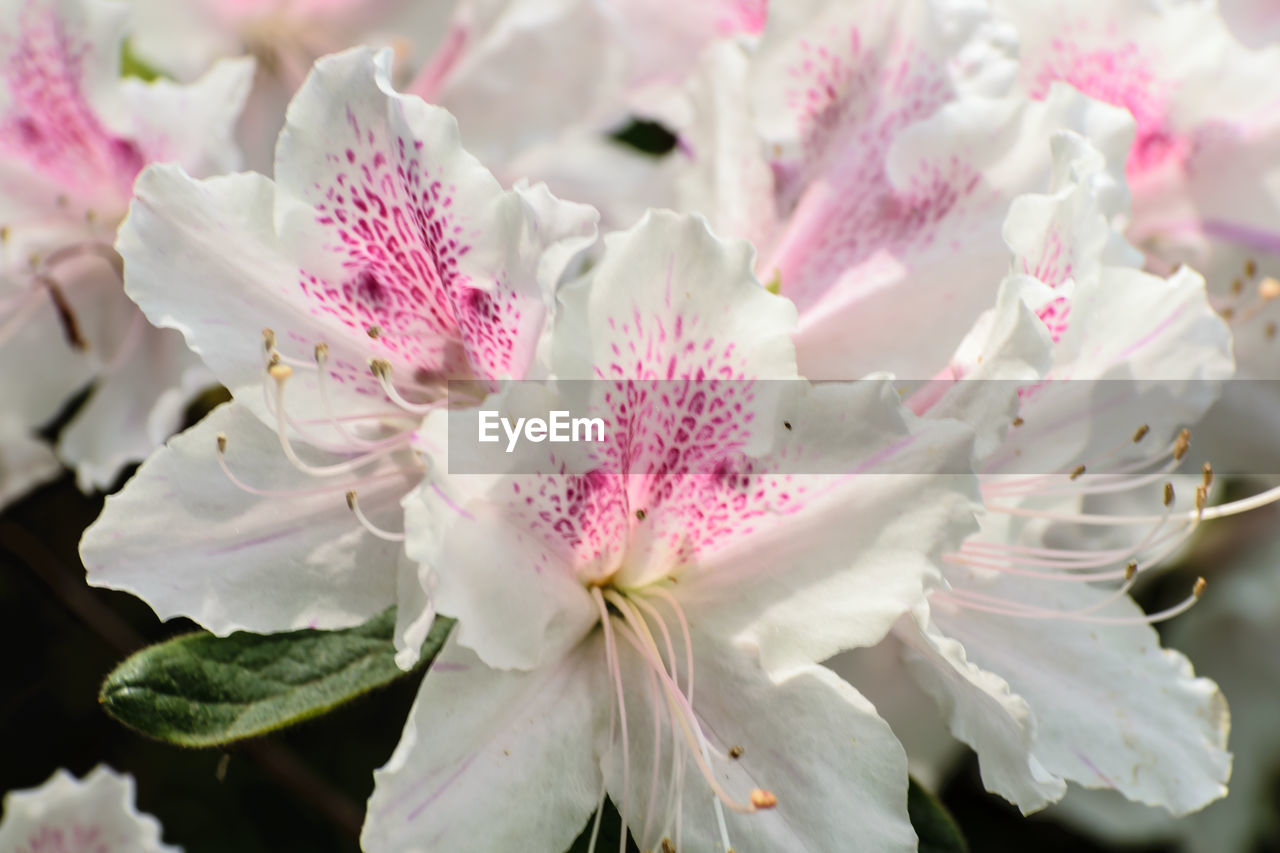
628	616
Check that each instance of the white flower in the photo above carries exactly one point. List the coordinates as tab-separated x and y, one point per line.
286	37
649	628
1231	636
382	263
74	135
1047	676
1202	168
69	815
526	117
868	150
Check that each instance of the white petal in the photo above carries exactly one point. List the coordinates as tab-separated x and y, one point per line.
188	541
68	813
983	712
136	404
202	258
1007	347
727	179
876	672
823	562
805	735
492	760
25	462
396	226
517	599
1113	708
415	610
192	126
663	284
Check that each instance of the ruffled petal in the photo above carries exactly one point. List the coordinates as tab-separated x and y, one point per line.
502	760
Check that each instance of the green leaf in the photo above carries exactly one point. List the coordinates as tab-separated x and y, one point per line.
933	823
200	690
132	66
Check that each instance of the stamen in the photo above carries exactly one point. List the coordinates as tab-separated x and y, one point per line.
292	493
687	718
281	373
615	670
1182	444
381	369
387	535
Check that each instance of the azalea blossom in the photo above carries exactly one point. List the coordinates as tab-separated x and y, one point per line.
285	37
1023	652
858	141
648	628
70	815
335	304
611	61
871	151
1231	636
1202	168
74	137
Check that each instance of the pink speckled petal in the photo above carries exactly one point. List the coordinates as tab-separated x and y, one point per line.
396	227
1174	66
202	258
477	736
670	300
62	126
696	481
916	245
69	815
188	541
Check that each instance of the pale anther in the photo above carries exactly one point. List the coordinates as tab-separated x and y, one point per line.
1168	494
762	799
1182	444
1140	433
1076	472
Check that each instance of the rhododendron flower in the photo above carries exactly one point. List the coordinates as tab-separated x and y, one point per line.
73	136
1231	636
69	815
383	261
862	147
648	629
611	60
1048	676
1202	167
286	37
